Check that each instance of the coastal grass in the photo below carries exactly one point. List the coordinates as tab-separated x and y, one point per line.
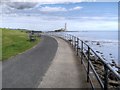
0	44
15	42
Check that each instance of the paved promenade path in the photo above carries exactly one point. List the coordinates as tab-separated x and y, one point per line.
65	70
27	69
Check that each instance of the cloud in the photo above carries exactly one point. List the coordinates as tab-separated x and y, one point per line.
21	5
10	6
58	9
52	23
58	1
5	9
76	8
49	1
52	9
13	7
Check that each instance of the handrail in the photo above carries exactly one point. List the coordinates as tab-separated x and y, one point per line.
76	42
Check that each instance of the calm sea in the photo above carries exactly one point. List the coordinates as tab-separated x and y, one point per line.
108	42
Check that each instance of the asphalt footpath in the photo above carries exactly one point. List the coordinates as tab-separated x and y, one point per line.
65	70
27	69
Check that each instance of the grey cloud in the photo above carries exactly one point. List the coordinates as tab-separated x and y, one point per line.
21	5
9	7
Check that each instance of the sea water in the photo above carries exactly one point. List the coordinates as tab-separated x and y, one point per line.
108	40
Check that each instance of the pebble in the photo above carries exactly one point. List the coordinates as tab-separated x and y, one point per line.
110	54
98	43
98	51
86	41
111	57
101	53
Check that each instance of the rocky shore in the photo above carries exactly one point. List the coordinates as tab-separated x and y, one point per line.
99	67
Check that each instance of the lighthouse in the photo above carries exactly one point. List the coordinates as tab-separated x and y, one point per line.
65	27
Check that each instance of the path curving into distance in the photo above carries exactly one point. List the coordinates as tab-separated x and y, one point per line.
66	70
27	69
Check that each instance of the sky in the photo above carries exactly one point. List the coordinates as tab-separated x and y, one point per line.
49	15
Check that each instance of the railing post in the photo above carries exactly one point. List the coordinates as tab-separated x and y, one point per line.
66	36
81	52
88	68
105	77
72	41
69	38
77	45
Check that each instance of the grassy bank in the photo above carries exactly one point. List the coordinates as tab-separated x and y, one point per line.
0	44
14	42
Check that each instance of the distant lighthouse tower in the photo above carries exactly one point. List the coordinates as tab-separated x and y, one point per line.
65	26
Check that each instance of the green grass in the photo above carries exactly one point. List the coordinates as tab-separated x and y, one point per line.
0	44
15	42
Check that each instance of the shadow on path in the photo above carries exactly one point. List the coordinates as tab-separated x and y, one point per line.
27	69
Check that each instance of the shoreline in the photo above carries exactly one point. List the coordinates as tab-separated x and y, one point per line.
102	46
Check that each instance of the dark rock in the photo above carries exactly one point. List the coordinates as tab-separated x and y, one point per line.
98	62
118	67
86	41
113	62
98	43
101	76
111	76
104	58
110	54
98	51
70	40
118	71
92	57
99	69
100	72
101	53
111	57
114	83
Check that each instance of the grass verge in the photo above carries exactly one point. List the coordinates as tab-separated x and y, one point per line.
0	44
15	42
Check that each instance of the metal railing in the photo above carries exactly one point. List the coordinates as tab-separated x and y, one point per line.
100	74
